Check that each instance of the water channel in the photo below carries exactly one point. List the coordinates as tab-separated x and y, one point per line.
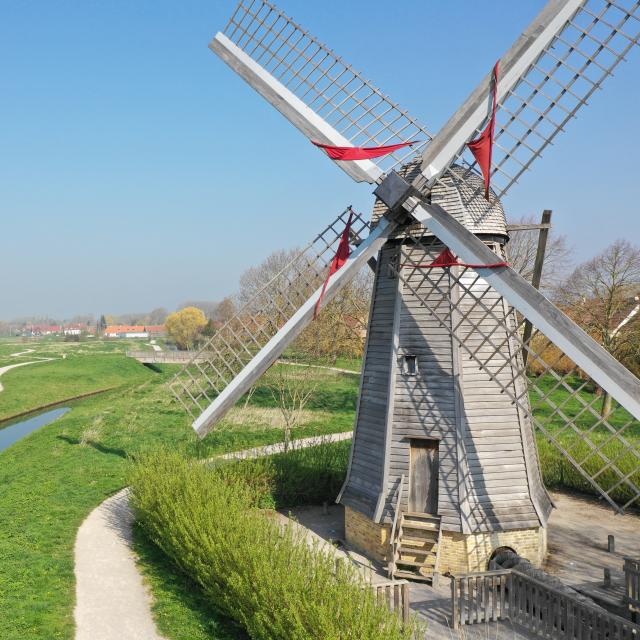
12	433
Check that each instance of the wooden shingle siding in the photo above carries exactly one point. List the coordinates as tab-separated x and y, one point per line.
364	480
495	428
424	404
460	199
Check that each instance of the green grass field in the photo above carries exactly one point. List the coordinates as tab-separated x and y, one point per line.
558	472
51	480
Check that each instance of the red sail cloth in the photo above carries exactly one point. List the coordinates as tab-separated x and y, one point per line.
449	259
482	146
342	255
360	153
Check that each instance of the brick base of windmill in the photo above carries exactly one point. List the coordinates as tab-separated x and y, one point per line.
459	553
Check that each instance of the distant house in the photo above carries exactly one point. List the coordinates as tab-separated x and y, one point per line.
75	329
156	330
357	325
43	329
126	331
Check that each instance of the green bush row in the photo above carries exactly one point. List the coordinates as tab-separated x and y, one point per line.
257	571
312	475
558	472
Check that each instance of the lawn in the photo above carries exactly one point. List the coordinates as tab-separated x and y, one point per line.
35	385
51	480
551	403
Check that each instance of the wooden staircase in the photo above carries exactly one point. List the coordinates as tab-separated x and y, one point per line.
415	549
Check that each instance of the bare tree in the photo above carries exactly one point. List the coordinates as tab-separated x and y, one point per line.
292	385
601	294
225	310
338	330
341	327
278	266
521	252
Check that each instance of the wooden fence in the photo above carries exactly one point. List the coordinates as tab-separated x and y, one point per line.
535	606
395	594
167	357
632	584
479	597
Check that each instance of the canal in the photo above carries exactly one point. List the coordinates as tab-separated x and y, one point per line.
13	432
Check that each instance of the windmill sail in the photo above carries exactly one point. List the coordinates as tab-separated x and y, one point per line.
561	59
246	345
553	69
315	89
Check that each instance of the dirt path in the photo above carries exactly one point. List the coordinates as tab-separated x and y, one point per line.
112	601
21	353
4	370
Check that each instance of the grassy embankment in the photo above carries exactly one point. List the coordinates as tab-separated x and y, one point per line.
51	480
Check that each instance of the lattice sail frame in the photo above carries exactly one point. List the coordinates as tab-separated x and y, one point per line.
557	395
234	345
323	81
335	95
560	81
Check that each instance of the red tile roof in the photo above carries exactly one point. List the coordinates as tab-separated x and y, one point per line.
125	328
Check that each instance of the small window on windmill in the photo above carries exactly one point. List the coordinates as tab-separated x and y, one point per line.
393	266
409	364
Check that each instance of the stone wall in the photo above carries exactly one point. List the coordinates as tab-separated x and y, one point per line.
459	553
462	553
366	536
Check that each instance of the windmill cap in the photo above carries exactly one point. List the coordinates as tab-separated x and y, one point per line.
460	191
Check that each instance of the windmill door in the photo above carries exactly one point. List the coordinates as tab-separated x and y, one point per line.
423	476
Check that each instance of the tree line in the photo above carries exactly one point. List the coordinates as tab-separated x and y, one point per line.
600	294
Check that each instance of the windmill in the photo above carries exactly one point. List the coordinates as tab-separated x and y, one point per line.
444	468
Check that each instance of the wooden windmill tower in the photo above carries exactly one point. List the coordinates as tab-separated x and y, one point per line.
444	468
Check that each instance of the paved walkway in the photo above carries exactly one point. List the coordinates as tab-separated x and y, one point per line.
319	366
112	601
21	353
281	447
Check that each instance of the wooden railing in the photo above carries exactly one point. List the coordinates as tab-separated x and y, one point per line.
544	610
479	597
395	595
632	584
166	357
391	567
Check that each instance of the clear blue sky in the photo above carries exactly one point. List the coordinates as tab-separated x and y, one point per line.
136	170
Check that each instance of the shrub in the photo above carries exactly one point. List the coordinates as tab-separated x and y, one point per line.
559	473
256	571
310	475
